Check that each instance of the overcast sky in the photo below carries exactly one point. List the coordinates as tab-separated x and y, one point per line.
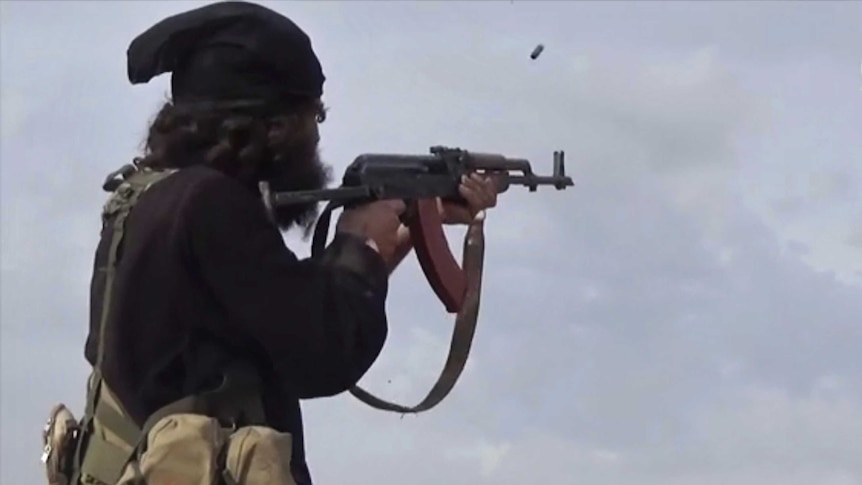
689	314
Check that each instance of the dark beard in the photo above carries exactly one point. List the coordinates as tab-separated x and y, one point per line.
298	168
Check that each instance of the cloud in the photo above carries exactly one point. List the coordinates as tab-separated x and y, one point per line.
855	237
749	436
649	326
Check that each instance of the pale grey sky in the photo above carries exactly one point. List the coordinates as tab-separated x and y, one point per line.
689	314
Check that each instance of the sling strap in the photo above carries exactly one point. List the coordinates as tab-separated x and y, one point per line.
462	334
111	437
465	321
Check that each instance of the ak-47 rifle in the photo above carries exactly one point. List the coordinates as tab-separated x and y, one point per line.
419	180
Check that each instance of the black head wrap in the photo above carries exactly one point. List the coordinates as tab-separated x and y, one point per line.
233	52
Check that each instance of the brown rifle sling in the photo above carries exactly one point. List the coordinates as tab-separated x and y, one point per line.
462	334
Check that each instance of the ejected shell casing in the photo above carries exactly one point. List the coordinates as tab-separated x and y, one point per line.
537	51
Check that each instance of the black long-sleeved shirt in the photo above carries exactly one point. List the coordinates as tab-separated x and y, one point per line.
202	264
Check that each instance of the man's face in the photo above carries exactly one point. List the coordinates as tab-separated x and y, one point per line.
297	166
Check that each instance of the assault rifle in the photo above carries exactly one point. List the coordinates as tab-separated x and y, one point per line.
412	177
420	180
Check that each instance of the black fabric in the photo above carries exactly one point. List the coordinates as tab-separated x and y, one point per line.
202	268
228	51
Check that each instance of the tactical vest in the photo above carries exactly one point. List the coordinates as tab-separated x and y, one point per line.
197	439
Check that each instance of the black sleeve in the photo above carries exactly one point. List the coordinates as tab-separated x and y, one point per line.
321	321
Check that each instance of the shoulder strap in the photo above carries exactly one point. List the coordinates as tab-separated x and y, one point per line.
113	438
125	194
116	211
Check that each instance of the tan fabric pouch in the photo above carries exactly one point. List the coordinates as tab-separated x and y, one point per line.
258	455
192	449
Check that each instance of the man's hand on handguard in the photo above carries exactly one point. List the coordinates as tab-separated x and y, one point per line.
479	191
378	222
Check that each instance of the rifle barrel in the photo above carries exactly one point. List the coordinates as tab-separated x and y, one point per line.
532	181
305	196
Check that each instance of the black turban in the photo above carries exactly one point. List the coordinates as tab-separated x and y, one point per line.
229	52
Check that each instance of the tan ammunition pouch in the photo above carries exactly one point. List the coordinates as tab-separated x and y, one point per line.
184	443
216	437
196	450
